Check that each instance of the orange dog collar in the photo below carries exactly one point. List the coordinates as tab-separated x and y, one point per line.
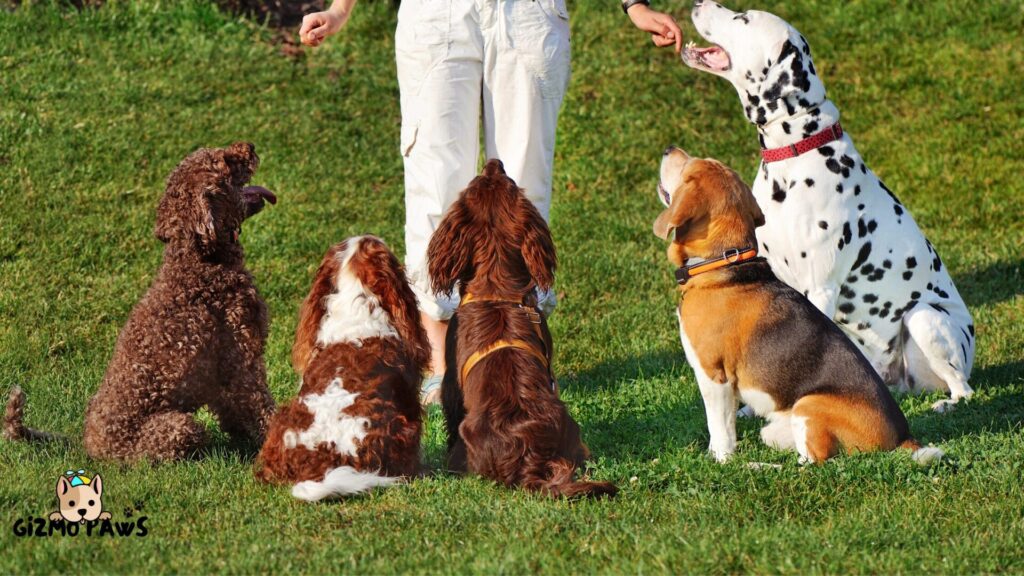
479	355
728	258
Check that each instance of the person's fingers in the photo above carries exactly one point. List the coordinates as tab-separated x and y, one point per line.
661	41
309	22
677	34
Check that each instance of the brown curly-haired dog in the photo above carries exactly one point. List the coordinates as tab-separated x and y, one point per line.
196	338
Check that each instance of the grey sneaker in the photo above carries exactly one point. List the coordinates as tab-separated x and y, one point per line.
430	390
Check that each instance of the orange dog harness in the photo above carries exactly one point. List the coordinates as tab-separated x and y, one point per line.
523	345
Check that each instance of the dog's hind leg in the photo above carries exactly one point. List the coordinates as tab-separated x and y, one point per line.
245	409
938	355
169	436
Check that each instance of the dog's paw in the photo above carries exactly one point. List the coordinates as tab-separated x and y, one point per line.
945	406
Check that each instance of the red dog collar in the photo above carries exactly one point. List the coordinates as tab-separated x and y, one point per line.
830	134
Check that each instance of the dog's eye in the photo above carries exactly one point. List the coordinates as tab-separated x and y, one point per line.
92	502
72	503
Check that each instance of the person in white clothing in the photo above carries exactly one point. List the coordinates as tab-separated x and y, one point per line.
505	61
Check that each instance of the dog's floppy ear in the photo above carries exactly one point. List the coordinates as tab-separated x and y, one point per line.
97	485
538	247
313	309
686	208
386	279
177	216
62	486
451	248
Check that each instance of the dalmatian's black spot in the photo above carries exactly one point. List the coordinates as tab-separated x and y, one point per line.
889	192
785	127
862	229
847	292
778	192
810	66
937	263
846	172
871	298
826	151
883	313
775	91
941	293
846	308
867	268
863	168
809	182
876	275
847	233
792	184
911	262
898	210
764	171
803	103
754	99
810	128
929	286
803	254
841	244
749	76
785	261
742	18
773	105
872	225
862	256
861	341
861	207
863	325
760	139
839	188
887	264
833	166
851	279
915	295
970	328
939	308
815	112
789	107
908	275
764	247
856	191
822	224
761	116
963	351
847	161
874	311
765	70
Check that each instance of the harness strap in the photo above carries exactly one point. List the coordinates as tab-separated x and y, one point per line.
479	355
535	319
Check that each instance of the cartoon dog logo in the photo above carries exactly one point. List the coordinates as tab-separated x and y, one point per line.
79	498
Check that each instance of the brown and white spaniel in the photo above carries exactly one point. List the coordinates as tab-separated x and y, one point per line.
504	418
361	350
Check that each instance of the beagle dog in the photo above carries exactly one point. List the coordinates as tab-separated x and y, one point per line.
749	336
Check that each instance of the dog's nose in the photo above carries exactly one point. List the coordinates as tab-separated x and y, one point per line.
697	3
668	150
81	511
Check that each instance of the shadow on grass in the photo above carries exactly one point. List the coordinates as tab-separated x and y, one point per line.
620	371
992	284
1001	412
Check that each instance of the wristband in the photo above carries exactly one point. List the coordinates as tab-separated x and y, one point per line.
627	4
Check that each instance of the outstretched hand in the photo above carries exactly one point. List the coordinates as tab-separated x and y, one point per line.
316	27
662	27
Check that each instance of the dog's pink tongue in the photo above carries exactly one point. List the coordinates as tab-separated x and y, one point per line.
261	192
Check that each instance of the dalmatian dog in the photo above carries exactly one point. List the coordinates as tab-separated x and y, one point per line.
834	231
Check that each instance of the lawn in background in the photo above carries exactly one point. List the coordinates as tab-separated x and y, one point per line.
97	106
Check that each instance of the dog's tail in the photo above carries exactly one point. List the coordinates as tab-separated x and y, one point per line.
14	425
923	455
343	481
562	485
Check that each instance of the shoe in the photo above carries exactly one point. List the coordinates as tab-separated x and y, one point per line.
430	390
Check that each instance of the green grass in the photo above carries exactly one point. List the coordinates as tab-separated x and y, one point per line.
96	107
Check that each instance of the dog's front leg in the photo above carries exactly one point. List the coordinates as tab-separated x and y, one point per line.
719	403
720	407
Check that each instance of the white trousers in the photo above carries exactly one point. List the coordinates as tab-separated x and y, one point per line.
458	60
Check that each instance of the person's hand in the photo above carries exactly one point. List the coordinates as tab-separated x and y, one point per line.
316	27
663	28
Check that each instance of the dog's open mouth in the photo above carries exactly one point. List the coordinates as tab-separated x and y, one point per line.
663	195
253	194
713	58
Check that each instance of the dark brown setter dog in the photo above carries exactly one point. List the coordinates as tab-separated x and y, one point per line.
361	350
504	418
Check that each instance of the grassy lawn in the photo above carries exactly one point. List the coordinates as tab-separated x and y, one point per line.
96	108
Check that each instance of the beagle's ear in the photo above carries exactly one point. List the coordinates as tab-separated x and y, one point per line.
313	310
450	251
538	247
686	207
